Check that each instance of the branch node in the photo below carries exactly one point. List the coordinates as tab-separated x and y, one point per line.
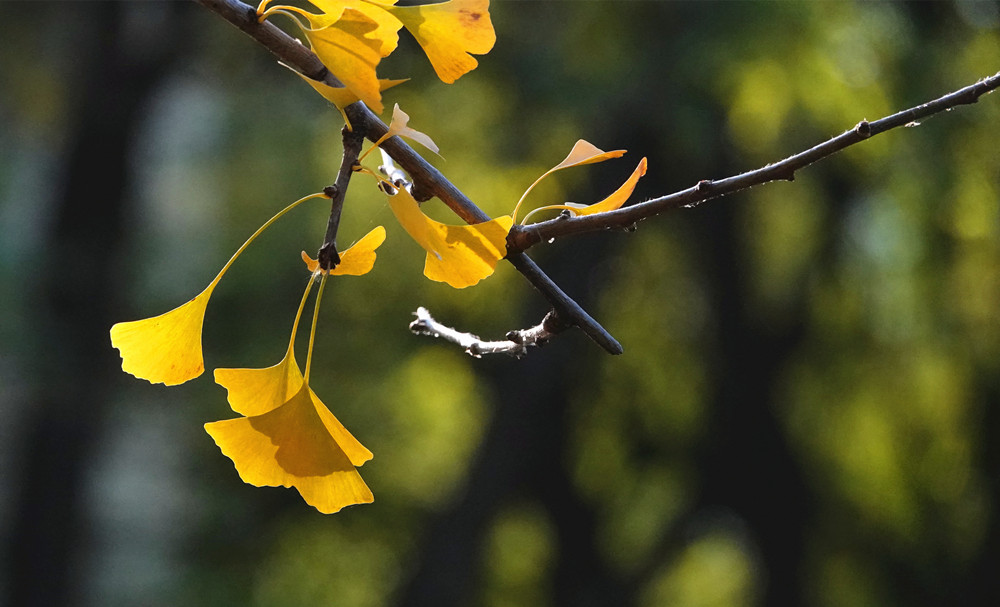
421	193
330	191
863	129
328	257
553	323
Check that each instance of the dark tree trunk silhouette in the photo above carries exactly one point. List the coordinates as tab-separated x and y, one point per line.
67	411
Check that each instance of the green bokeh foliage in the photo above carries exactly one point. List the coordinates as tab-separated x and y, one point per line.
845	324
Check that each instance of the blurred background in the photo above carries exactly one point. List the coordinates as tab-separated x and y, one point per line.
807	411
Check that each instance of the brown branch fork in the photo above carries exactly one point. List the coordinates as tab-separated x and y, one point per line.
429	182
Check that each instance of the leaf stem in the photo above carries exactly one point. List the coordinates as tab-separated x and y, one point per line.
298	314
266	225
312	331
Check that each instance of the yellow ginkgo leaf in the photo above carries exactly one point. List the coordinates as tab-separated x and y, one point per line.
612	202
458	255
291	446
341	96
399	126
253	392
387	32
357	260
330	12
257	391
583	152
448	32
350	49
355	451
331	9
166	348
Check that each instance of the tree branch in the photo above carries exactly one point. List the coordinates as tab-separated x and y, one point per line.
523	237
427	180
516	344
328	257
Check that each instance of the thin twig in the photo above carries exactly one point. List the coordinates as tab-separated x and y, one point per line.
523	237
327	256
516	344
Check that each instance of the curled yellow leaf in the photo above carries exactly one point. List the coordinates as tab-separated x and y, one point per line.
292	446
166	348
458	255
583	152
399	125
448	32
612	202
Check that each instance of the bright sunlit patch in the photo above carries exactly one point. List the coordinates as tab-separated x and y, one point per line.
448	32
350	42
458	255
351	37
165	349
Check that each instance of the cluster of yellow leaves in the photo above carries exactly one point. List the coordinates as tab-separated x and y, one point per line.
351	37
462	255
286	436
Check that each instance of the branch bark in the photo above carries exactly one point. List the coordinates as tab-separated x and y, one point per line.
522	238
328	257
